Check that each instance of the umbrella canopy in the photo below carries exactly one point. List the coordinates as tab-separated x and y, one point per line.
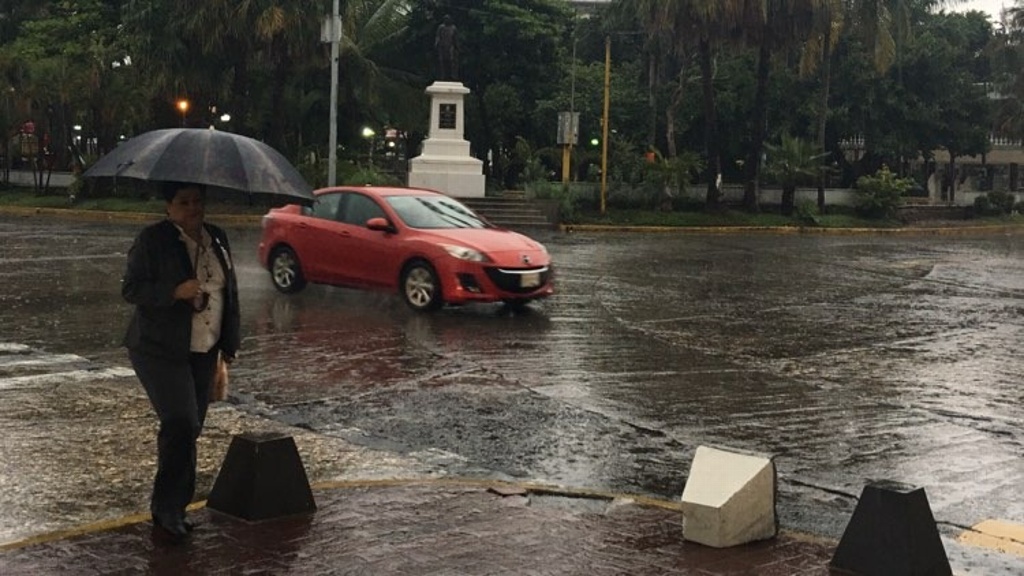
211	157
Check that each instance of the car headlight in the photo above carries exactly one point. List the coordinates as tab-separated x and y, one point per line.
463	253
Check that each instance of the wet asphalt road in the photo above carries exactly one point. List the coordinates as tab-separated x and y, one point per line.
850	358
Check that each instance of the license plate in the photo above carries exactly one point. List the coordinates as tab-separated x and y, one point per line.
529	280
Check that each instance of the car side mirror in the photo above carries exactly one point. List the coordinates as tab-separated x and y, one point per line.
381	225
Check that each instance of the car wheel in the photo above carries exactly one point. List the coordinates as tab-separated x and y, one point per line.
285	271
420	287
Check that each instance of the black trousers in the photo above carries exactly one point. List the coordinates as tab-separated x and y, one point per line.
179	393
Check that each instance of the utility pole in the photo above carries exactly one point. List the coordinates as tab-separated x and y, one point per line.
604	120
332	33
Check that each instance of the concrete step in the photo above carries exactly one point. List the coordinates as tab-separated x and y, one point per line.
511	212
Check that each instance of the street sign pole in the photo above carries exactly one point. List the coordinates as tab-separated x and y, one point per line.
332	34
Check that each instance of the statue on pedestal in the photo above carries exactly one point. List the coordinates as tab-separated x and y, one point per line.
446	42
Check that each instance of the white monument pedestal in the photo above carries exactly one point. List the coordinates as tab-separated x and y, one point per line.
445	164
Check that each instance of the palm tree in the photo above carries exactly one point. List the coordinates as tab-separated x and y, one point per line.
658	50
876	21
882	24
1009	59
770	25
792	162
250	56
702	27
370	28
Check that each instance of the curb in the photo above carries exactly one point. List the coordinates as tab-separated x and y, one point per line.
499	486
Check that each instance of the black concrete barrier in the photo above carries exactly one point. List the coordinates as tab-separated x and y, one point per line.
892	531
262	477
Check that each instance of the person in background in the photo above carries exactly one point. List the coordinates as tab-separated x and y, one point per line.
181	280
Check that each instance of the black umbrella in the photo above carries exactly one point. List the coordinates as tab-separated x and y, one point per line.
212	157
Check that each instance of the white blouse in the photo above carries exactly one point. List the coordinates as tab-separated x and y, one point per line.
206	324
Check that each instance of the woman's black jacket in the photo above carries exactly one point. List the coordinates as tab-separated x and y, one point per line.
157	262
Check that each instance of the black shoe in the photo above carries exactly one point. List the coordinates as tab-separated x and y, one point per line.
173	526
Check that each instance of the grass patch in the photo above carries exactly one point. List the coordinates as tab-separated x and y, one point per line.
618	217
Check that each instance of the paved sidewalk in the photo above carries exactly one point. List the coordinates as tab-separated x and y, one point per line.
429	528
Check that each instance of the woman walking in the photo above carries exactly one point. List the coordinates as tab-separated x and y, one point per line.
181	279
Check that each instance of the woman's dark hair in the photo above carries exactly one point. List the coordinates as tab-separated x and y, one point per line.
169	189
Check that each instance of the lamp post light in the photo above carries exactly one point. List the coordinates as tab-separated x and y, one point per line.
183	107
368	133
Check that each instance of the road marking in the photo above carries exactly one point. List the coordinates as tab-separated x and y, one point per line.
64	377
63	368
12	348
38	259
996	535
22	361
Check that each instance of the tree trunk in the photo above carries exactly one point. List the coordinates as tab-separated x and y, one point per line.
239	106
652	99
711	144
670	115
952	178
752	168
275	132
826	81
788	199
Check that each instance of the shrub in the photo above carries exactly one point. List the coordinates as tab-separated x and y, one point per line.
807	212
666	179
879	196
982	206
996	203
369	176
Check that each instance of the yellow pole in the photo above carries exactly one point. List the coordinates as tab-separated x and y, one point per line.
566	159
604	119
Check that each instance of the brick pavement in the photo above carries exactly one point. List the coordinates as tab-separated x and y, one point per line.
423	529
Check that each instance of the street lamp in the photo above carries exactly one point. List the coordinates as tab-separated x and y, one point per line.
183	106
368	133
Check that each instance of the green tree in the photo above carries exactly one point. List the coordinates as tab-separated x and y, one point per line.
512	55
214	51
707	25
771	25
64	62
1007	51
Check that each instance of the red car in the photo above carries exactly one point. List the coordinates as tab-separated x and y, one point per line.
428	247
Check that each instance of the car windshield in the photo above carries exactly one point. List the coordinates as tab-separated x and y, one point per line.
435	212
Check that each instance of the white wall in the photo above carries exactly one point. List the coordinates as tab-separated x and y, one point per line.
25	178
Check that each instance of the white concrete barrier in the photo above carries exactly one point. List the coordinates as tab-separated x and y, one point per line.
729	498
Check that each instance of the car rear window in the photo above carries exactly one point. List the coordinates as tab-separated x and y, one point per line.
431	212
